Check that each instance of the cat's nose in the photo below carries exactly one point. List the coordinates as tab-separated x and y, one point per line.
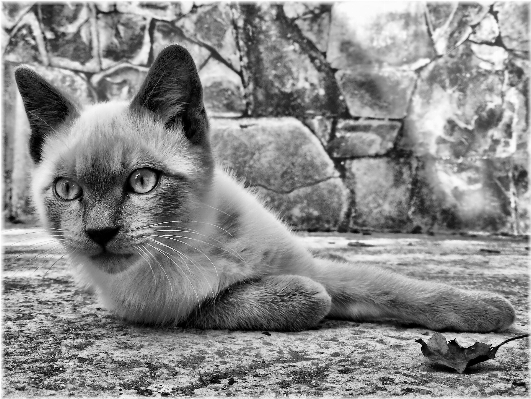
102	236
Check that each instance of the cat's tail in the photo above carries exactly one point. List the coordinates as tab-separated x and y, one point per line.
362	292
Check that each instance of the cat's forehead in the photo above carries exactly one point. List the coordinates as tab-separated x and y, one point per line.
108	140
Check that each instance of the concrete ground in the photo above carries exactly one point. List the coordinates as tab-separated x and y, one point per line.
59	341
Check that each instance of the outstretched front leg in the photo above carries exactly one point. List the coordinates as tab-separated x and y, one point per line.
369	293
278	303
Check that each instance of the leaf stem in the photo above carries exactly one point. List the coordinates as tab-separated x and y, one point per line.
512	339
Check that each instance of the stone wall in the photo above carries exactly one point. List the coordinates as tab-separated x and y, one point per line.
399	116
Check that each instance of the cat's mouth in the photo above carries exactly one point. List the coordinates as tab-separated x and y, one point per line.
112	262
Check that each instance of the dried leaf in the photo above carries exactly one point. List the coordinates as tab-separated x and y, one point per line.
451	354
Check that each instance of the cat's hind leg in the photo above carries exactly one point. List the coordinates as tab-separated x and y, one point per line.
277	303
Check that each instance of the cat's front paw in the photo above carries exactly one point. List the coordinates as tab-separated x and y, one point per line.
502	313
475	311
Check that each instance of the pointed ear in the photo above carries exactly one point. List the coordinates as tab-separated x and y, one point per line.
46	107
173	92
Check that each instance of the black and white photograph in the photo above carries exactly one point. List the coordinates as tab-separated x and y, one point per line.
265	199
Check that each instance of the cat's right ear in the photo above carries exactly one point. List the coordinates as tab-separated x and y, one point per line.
46	107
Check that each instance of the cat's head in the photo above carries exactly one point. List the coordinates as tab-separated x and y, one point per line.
106	175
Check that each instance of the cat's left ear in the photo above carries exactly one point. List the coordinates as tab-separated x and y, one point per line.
172	91
46	107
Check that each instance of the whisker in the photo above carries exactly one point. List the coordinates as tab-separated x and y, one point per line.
180	221
189	231
161	266
182	242
69	252
53	264
181	255
149	264
176	264
227	250
42	254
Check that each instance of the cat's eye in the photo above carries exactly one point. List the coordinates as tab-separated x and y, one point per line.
67	189
143	180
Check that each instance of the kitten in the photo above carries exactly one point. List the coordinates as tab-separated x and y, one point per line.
132	192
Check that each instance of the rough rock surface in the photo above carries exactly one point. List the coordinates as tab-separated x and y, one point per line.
365	138
471	121
120	82
487	30
13	11
163	10
25	43
289	75
514	25
455	107
166	33
451	23
222	89
321	126
211	26
283	160
376	92
59	341
386	33
313	19
70	32
381	189
123	39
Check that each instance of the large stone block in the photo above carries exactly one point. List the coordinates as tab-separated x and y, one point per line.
279	154
212	25
120	82
26	42
381	33
282	74
123	37
513	19
320	207
376	92
381	187
286	163
355	139
166	33
70	32
222	90
456	108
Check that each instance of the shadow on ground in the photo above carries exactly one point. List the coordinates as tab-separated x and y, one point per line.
59	341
